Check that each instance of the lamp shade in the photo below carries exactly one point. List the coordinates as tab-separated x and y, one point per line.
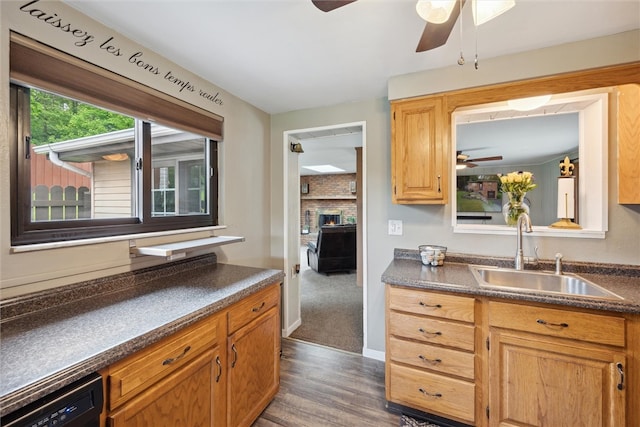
566	197
486	10
435	11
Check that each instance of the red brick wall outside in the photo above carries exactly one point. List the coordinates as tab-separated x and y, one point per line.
326	192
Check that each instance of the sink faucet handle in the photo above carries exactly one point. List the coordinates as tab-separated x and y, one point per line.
558	263
537	259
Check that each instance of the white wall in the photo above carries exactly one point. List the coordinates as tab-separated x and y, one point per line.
432	224
244	193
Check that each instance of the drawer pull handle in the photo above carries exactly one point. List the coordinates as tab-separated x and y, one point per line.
559	325
219	368
621	372
256	309
432	361
170	360
422	331
426	393
235	355
430	306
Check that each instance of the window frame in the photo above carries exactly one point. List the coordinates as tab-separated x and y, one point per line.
23	230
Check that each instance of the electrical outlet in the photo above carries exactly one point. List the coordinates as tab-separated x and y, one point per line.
395	227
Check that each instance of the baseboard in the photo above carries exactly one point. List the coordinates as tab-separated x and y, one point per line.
288	331
373	354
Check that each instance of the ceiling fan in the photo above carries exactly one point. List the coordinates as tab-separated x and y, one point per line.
463	160
436	32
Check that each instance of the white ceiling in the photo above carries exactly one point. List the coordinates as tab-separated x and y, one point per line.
286	55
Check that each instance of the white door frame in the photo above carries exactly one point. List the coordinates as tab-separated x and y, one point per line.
293	219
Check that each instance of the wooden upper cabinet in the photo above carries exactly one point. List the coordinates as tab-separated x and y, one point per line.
629	144
419	150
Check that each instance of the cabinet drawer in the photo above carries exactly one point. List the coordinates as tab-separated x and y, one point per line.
432	304
434	331
601	329
444	360
449	397
253	306
137	372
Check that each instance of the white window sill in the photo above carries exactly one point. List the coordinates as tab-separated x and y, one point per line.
543	231
98	240
177	250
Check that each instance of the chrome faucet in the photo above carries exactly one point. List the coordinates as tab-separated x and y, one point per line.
523	219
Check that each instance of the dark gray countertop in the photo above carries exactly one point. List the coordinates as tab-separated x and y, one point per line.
406	269
53	338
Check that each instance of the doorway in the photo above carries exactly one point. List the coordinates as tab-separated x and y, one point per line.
325	181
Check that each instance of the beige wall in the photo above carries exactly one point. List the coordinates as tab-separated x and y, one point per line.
244	179
432	224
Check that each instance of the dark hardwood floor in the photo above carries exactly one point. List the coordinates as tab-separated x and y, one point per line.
322	387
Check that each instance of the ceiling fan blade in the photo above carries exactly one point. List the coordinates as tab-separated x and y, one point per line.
436	35
485	159
329	5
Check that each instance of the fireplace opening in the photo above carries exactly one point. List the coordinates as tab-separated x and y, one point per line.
329	217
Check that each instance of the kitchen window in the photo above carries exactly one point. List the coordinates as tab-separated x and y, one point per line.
97	155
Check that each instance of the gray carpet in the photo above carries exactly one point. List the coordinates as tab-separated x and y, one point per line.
331	310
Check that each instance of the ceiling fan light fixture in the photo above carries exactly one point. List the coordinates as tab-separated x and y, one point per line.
528	104
435	11
486	10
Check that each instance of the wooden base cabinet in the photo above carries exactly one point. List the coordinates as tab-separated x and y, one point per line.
254	357
430	363
220	372
187	397
549	367
511	363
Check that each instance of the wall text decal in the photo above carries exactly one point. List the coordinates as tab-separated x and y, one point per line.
82	37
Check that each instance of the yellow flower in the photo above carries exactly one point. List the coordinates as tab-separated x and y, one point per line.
517	182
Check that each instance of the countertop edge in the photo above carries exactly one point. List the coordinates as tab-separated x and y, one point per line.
23	396
406	269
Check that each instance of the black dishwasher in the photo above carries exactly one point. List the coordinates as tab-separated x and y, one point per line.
76	405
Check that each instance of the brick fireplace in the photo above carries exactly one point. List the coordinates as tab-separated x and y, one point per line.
329	199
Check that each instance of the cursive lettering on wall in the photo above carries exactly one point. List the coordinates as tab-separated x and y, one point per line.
83	37
55	21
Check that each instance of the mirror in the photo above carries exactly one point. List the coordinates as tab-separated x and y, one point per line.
495	138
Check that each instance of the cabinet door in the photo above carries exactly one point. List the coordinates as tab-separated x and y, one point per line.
254	368
628	147
545	382
192	396
418	152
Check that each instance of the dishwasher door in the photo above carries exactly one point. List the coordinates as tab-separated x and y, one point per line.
76	405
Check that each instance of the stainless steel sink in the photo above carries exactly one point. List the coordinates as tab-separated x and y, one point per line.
538	281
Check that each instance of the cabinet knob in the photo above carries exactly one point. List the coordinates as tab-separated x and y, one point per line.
422	331
256	309
422	304
621	372
558	325
219	368
427	360
170	360
235	355
426	393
